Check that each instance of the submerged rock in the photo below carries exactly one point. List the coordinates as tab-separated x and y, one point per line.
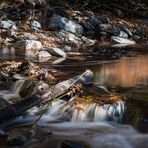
58	22
8	25
28	44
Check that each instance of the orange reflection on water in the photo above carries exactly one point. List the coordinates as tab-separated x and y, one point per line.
125	73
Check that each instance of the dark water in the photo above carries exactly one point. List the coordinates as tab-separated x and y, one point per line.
128	75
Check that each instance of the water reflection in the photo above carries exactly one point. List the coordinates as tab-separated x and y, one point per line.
7	52
124	73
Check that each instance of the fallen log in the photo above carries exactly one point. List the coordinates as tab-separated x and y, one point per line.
19	107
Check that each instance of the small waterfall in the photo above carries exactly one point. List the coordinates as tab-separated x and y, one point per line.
13	92
78	115
75	112
100	113
17	86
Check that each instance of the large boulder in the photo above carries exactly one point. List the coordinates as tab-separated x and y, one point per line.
58	22
28	44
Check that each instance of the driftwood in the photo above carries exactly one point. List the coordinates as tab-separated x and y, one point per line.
19	107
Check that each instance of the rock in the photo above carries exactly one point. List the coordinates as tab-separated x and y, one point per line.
123	34
86	77
58	22
28	44
90	23
137	37
44	54
103	27
123	40
87	25
28	36
95	21
56	52
59	60
104	20
18	141
67	48
113	32
119	13
69	37
8	25
35	25
103	33
30	54
124	28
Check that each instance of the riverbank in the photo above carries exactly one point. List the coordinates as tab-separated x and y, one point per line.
59	31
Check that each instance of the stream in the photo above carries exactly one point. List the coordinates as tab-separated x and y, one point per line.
128	76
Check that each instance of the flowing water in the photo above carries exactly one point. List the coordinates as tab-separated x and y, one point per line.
128	76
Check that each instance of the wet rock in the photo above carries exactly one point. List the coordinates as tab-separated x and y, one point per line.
58	22
86	78
113	32
35	25
56	52
123	40
28	44
124	28
8	25
18	141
